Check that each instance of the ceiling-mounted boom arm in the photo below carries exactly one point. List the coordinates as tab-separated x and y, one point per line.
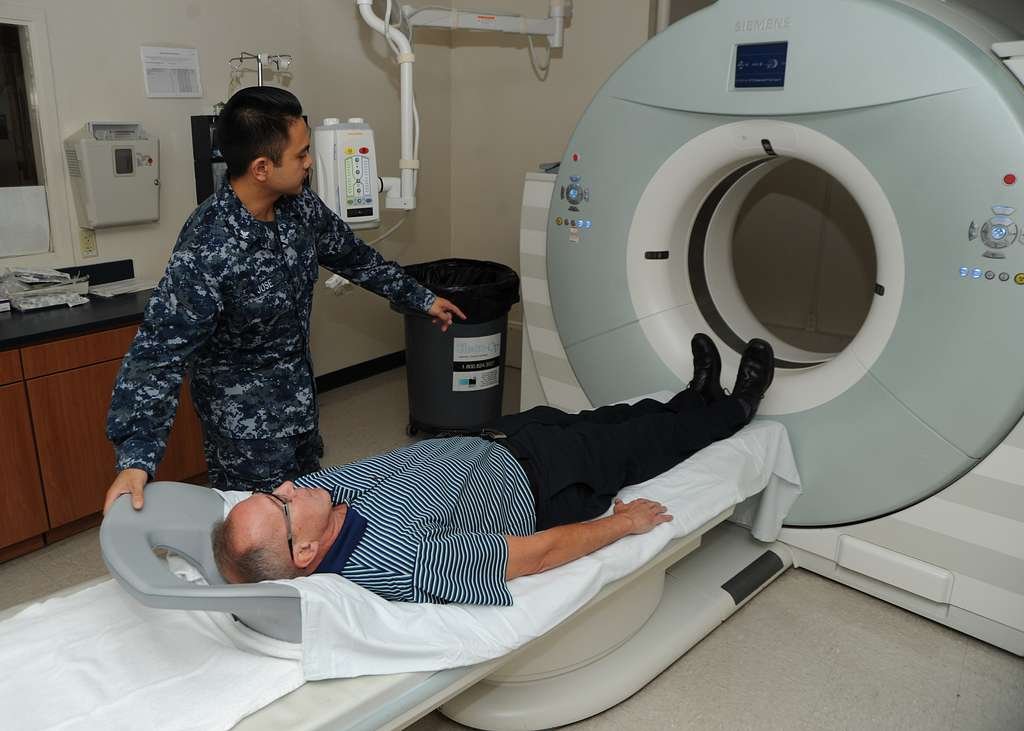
400	192
551	27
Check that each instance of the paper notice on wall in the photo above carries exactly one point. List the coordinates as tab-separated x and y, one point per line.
24	221
171	72
476	363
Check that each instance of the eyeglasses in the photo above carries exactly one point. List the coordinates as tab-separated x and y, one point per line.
287	517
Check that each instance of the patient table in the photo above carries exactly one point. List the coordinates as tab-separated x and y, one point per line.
612	645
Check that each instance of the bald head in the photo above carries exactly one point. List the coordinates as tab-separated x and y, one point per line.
245	554
251	544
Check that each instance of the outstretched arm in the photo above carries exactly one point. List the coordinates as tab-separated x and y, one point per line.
556	546
344	253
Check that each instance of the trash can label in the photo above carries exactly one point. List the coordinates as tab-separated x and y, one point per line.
474	349
476	364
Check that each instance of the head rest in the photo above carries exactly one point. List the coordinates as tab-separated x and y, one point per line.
178	517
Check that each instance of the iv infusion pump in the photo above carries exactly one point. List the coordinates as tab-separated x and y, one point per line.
346	170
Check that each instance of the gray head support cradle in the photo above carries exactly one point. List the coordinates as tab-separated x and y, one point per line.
178	517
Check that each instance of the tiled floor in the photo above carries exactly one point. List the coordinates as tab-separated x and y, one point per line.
805	654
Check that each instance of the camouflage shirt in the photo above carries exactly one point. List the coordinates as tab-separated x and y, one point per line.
233	309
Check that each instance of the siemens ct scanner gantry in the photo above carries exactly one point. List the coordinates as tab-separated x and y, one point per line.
908	434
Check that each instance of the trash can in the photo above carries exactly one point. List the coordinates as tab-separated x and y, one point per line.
456	378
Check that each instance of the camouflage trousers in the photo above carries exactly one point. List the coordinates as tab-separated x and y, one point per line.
260	465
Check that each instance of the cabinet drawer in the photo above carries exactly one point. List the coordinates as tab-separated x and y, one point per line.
10	367
63	355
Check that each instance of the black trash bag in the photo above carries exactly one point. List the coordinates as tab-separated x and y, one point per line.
483	290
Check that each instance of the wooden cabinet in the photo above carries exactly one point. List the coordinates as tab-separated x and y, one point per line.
10	367
22	511
184	456
83	350
75	458
53	443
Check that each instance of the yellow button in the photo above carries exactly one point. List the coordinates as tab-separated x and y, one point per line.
558	221
1019	279
350	150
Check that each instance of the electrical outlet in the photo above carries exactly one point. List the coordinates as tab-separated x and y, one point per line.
87	243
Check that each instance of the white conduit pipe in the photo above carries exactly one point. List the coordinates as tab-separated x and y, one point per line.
408	163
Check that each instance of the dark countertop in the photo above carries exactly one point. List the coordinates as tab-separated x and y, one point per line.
18	329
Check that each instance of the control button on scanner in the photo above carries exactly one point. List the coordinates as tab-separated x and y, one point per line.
990	274
574	193
998	232
972	231
1019	278
1004	277
1003	210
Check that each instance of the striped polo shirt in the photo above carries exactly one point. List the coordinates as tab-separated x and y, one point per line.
437	513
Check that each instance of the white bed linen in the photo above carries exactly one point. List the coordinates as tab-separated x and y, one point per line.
99	659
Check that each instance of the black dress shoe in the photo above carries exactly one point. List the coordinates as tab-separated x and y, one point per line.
757	369
707	368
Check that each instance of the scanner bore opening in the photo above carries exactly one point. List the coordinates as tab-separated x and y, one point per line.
801	257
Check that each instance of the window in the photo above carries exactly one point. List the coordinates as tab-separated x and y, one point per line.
17	151
34	222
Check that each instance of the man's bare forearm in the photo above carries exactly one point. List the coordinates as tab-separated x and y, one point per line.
556	546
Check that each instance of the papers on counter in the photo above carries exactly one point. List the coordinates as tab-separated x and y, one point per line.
124	286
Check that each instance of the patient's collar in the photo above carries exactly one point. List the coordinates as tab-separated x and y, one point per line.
348	538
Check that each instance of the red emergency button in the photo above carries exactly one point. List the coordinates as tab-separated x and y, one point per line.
1009	179
575	157
363	150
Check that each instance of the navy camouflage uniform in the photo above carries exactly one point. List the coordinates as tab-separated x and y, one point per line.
233	310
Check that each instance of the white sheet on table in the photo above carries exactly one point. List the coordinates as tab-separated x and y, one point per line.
97	659
348	631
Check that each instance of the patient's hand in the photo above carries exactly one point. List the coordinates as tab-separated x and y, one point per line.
642	513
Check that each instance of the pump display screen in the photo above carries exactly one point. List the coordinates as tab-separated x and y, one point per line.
761	65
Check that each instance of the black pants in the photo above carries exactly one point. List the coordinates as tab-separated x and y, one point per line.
577	463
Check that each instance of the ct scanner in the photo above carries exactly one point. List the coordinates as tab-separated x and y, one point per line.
907	431
908	439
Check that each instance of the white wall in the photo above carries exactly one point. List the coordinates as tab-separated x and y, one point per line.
505	121
340	69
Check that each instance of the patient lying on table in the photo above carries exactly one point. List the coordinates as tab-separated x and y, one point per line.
454	519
